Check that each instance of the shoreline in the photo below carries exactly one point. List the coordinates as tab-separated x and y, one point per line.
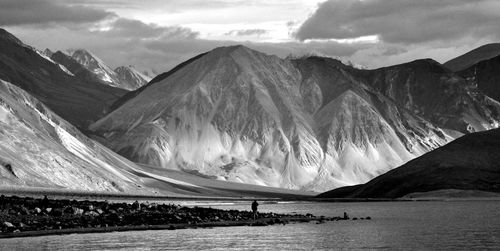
27	216
255	223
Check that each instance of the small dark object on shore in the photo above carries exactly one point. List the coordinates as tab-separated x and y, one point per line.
346	216
254	209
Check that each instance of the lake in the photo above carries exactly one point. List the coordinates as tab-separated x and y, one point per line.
422	225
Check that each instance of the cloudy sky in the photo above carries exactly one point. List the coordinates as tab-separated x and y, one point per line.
158	34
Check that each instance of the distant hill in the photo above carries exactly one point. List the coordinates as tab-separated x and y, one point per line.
470	58
471	162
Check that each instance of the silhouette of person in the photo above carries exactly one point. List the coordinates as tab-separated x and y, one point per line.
346	216
254	209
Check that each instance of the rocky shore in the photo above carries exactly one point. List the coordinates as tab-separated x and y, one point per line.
36	216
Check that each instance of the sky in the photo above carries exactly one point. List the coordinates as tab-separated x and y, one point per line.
159	34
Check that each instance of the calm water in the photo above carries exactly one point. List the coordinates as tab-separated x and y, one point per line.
459	225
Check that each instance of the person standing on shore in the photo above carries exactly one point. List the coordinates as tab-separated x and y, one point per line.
254	209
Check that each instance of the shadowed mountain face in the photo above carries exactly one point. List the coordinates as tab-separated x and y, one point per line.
473	57
486	75
240	115
79	101
75	68
431	91
471	162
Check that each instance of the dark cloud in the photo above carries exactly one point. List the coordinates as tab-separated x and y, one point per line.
130	28
403	21
248	32
166	6
44	12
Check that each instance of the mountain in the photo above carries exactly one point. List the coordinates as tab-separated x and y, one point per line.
75	68
130	78
471	162
431	91
39	149
486	76
124	77
77	100
96	66
240	115
473	57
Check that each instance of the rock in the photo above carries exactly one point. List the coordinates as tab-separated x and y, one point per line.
368	218
23	226
77	211
92	213
8	224
24	211
354	218
37	210
99	211
48	210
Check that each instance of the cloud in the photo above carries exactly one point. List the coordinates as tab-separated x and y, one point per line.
130	28
45	12
247	32
403	21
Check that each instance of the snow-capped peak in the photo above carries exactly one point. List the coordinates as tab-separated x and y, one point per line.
95	65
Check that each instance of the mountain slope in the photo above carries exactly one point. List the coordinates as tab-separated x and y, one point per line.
75	68
473	57
240	115
96	66
78	101
362	132
431	91
43	150
468	163
486	75
130	78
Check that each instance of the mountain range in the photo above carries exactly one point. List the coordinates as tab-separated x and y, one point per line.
232	114
310	123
